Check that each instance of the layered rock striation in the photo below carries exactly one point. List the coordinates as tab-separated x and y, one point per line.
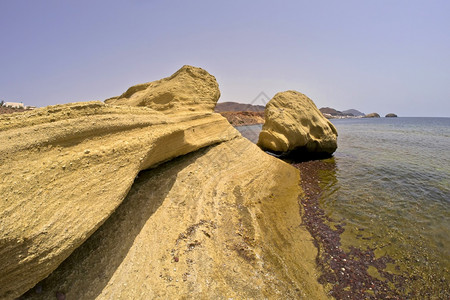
294	125
66	168
221	221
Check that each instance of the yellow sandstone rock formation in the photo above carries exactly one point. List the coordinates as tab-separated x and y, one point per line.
66	168
294	124
190	88
223	222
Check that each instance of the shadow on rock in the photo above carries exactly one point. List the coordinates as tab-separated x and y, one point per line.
94	263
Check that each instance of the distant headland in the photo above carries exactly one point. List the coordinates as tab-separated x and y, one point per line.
239	114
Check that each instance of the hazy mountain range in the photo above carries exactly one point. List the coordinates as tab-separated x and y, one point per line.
348	112
234	106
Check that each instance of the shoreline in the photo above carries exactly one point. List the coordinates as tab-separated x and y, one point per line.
353	273
341	272
243	118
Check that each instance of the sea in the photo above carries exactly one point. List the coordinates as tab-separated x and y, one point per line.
388	188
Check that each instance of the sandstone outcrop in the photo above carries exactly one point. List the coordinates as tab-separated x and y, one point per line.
66	168
293	124
188	89
221	221
391	115
372	115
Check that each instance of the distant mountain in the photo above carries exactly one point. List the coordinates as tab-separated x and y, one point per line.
240	118
330	111
354	112
239	107
234	106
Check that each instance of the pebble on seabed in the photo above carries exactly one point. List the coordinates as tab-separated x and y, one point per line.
60	296
38	289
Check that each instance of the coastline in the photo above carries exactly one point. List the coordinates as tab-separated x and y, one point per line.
363	268
243	118
345	274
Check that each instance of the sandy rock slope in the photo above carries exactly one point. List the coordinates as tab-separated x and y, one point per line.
220	223
66	168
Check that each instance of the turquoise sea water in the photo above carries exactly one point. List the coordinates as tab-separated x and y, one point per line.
390	186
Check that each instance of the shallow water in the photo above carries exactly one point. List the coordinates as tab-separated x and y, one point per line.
390	186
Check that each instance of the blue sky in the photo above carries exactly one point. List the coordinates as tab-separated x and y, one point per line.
374	56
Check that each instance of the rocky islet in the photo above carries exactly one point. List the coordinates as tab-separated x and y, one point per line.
372	115
391	115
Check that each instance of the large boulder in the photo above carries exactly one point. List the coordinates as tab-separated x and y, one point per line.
66	168
294	125
190	88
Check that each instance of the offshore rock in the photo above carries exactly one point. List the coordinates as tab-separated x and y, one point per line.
294	125
372	115
66	168
190	88
391	115
224	220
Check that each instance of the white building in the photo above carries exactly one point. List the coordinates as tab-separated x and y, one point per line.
14	104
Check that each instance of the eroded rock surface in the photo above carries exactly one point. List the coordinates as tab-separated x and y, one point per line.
66	168
188	89
221	222
293	124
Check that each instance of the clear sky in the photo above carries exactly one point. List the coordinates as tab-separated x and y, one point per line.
375	56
